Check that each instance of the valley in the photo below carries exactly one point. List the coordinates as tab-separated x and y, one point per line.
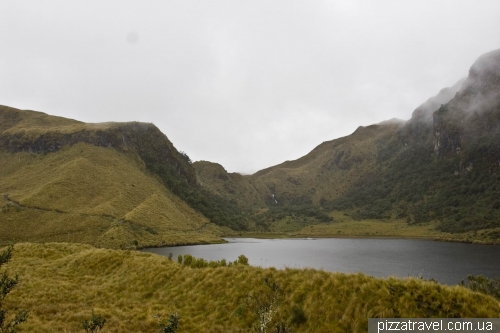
78	199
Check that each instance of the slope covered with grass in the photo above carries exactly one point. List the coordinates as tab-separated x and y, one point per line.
444	168
440	169
61	283
63	180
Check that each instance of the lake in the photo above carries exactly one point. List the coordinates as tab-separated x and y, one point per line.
446	262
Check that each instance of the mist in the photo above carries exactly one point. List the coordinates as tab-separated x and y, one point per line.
246	85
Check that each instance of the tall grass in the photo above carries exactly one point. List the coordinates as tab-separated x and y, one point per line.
61	283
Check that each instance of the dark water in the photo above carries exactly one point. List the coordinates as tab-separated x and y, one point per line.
448	263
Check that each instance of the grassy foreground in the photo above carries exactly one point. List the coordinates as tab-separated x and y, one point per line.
60	283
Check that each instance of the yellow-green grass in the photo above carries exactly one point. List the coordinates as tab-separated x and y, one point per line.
60	283
93	195
329	170
215	178
348	227
34	123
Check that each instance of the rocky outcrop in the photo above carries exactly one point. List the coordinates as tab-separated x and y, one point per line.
50	136
473	112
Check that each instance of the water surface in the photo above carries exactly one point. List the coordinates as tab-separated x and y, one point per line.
446	262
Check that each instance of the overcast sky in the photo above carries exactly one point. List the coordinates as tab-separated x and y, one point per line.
247	84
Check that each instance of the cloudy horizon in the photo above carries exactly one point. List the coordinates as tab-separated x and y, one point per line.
247	85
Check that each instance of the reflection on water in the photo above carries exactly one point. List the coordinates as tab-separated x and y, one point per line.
446	262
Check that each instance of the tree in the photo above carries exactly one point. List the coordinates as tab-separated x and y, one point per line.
6	285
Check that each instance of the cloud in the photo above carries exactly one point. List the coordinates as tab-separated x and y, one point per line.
244	84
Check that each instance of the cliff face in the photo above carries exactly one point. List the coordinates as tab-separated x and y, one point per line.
446	170
473	113
420	124
36	132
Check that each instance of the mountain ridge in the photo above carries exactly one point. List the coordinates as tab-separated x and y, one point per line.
439	168
64	180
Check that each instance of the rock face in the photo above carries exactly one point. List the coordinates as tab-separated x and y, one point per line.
37	133
423	114
473	113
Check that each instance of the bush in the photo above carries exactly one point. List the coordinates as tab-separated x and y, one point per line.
6	285
242	260
265	303
483	285
94	324
169	326
193	262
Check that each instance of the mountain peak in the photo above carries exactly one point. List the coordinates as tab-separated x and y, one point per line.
487	64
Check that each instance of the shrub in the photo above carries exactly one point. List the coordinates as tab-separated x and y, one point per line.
264	303
483	285
242	260
94	324
171	325
188	259
6	285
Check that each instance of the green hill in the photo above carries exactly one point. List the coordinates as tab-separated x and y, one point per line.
61	283
120	184
440	170
446	171
63	180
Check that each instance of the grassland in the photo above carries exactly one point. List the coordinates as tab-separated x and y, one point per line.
344	225
94	195
60	283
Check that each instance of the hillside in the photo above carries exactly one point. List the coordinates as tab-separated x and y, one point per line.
123	184
231	186
440	168
446	171
61	283
64	180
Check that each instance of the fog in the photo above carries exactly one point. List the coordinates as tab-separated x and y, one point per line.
244	84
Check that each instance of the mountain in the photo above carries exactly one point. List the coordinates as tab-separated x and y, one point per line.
441	166
64	180
125	184
447	170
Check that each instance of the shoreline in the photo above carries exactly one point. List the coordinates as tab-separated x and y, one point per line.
270	235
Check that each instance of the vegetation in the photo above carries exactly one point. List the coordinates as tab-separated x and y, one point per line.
483	285
126	186
191	261
216	208
169	326
460	200
94	324
297	216
6	285
60	282
93	195
265	303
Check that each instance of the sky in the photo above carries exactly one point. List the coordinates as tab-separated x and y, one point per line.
246	84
